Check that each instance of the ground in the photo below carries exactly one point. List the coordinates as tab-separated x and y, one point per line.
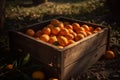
21	14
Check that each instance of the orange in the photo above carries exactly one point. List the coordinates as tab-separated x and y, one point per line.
53	79
38	33
95	31
79	29
85	27
30	32
64	31
71	41
82	32
37	38
91	29
46	30
66	23
52	39
75	26
69	36
98	29
38	75
109	54
60	47
79	36
9	66
74	34
70	30
62	41
44	37
50	26
69	26
88	33
55	30
60	24
54	21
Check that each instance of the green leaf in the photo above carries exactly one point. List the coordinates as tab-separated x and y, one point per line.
15	63
26	59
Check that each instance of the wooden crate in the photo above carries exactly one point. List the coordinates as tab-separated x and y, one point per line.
71	60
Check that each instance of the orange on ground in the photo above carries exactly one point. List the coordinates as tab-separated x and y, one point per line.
46	30
79	36
9	66
44	37
109	54
38	75
30	32
62	41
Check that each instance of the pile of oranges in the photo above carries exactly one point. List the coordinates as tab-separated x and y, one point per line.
62	33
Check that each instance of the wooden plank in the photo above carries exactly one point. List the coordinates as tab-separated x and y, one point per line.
82	64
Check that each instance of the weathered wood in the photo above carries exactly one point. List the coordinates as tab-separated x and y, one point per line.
83	63
68	61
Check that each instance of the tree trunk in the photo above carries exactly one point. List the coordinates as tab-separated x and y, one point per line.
2	13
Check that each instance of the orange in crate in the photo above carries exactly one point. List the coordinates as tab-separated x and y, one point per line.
30	32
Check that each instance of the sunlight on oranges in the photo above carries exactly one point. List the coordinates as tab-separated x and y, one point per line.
63	33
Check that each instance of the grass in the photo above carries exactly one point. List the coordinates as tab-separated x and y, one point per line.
22	16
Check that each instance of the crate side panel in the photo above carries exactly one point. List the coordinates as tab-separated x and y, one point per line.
82	64
41	52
